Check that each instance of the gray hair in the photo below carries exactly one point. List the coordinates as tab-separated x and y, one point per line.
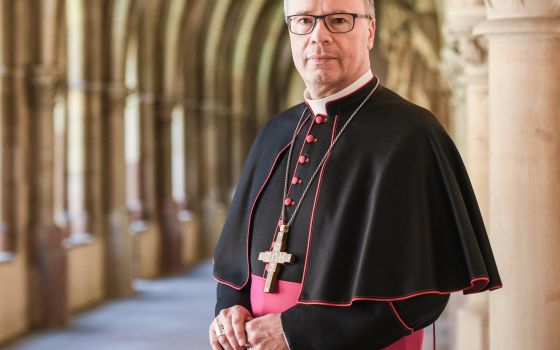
369	5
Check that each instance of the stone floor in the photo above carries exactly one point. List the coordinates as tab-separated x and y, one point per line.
165	314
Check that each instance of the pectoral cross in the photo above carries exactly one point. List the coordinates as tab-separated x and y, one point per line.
275	259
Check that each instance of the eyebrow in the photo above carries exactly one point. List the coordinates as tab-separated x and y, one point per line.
311	12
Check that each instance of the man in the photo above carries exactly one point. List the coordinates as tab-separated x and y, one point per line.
354	218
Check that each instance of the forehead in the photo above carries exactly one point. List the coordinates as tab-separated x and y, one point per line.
318	7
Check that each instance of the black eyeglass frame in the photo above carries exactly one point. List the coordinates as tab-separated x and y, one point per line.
316	18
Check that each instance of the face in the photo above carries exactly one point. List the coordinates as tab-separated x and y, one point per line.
329	62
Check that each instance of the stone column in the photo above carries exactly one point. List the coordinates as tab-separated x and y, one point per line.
14	114
117	238
192	95
471	318
48	252
48	255
214	210
167	209
147	157
118	266
193	175
92	87
216	118
524	90
148	66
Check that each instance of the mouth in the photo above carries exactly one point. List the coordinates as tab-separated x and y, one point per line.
320	58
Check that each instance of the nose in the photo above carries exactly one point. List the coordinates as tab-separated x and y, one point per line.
320	33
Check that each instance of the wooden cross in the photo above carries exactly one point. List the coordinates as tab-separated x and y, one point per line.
275	259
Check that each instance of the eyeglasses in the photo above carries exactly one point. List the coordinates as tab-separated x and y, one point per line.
335	22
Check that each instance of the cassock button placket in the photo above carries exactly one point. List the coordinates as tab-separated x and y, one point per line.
271	257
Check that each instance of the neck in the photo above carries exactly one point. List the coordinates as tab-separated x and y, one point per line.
318	105
317	93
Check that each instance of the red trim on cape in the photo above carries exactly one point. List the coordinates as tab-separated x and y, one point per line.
399	317
495	287
404	297
217	279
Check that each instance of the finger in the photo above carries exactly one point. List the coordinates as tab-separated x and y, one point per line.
238	324
228	340
213	339
252	334
224	342
230	334
215	344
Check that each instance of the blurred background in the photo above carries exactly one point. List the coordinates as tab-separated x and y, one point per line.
124	125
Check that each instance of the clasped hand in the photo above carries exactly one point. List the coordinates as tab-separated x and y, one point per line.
243	331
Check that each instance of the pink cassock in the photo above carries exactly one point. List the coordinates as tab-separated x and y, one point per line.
288	292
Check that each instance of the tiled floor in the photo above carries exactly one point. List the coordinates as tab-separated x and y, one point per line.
166	314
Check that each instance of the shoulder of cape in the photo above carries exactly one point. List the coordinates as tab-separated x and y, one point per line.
285	118
279	127
402	119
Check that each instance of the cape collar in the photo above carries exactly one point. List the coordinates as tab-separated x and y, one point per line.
321	106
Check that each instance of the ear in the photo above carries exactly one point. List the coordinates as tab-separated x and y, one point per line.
371	33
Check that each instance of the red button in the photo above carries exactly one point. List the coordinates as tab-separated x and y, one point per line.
320	120
296	180
303	159
289	201
310	139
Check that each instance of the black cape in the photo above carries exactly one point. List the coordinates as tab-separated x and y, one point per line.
405	223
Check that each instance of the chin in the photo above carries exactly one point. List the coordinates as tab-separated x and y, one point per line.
323	77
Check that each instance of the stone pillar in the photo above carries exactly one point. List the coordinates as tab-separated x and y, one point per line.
524	90
167	209
193	175
192	94
14	114
146	162
211	134
48	254
214	192
148	66
92	87
471	318
239	132
118	242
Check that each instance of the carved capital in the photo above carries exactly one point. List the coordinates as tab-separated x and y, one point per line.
468	48
522	8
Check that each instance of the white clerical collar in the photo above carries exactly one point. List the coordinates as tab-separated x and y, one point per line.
319	106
